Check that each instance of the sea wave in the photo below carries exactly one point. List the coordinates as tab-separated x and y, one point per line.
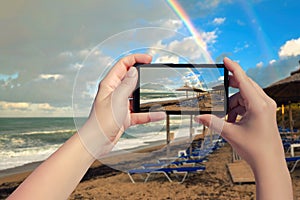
20	147
49	132
17	157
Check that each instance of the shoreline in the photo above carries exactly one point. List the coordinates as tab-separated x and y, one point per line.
19	173
29	167
26	168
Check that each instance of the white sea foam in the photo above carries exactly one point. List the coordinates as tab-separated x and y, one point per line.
157	100
10	159
49	132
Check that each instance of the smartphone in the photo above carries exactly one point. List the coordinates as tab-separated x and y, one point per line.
181	89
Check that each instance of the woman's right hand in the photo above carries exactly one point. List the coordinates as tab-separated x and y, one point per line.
255	137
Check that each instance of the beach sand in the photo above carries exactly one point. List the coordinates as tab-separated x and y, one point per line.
102	182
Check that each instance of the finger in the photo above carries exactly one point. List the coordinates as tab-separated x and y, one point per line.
232	133
241	81
125	89
232	115
259	89
236	100
118	72
232	82
229	131
141	118
213	122
119	100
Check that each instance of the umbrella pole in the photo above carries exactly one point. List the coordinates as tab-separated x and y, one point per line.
168	129
191	133
291	117
168	135
191	126
282	115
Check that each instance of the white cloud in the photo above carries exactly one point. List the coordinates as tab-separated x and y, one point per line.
51	76
167	59
187	48
290	48
13	105
273	71
272	62
84	53
209	37
219	20
45	106
289	56
77	66
66	54
12	109
260	64
173	24
241	48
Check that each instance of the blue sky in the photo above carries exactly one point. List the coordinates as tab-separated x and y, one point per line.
53	54
250	32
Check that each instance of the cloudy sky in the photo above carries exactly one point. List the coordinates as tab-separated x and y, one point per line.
173	78
53	53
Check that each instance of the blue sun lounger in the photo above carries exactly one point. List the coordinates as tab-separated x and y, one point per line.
165	171
295	160
178	163
190	161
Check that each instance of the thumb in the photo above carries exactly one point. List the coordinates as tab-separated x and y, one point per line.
120	104
228	131
128	84
211	121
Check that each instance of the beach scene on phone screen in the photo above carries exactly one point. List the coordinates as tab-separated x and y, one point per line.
182	89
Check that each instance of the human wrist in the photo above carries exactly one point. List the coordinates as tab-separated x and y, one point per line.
273	175
93	139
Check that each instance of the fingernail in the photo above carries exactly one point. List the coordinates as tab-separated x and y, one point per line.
199	120
226	58
157	115
131	72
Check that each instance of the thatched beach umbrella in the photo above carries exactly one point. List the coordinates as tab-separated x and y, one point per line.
219	89
187	89
286	91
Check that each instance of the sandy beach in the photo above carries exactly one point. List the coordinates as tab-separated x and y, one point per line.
103	182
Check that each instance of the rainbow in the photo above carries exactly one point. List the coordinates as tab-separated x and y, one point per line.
176	7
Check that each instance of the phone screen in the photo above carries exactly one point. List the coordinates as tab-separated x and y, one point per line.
181	89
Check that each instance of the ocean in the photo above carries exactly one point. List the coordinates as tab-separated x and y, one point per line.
27	140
